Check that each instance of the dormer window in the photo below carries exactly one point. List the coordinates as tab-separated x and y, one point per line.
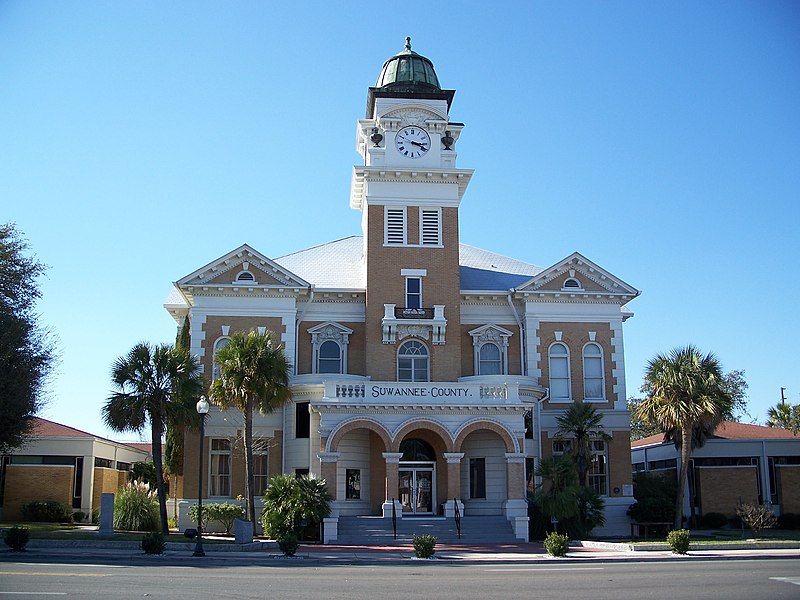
572	284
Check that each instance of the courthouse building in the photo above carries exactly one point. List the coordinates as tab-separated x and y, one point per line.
426	370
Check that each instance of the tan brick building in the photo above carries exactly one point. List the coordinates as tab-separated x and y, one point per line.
416	358
740	463
64	464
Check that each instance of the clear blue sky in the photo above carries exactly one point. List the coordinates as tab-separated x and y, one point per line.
139	140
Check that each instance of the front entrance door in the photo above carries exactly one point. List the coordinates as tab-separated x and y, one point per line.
417	489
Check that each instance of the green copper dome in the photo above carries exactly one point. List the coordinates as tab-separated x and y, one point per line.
408	70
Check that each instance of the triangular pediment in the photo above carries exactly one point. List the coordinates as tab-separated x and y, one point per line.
576	274
244	266
330	327
490	330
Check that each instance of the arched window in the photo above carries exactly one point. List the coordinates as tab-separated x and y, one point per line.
559	373
218	345
593	388
245	276
412	362
491	360
329	358
572	284
417	450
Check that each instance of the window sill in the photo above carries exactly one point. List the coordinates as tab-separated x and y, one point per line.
560	400
595	400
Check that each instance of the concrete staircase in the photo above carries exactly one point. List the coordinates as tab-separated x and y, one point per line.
377	531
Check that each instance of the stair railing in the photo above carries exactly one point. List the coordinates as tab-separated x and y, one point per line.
394	520
457	517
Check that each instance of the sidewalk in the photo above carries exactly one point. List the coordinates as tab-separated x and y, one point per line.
518	554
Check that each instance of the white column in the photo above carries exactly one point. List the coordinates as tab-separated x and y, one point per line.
453	484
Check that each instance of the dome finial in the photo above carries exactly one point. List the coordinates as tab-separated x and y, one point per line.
408	43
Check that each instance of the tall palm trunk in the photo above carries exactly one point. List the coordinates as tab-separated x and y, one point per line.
686	449
157	463
248	462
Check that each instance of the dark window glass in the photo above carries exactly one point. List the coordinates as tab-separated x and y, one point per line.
529	425
413	292
530	473
330	358
42	460
103	462
416	450
4	462
353	484
301	473
77	484
477	478
302	420
123	466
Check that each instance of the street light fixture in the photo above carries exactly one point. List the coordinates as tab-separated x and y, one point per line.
202	410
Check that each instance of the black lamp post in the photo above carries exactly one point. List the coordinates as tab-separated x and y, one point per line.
202	409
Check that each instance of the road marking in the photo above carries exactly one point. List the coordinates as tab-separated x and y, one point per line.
544	569
794	580
42	574
34	593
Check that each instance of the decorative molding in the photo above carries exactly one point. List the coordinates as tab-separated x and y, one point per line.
325	332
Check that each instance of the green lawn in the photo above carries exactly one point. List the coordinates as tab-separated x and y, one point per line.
57	531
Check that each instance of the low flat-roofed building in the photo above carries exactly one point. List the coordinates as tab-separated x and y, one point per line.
60	463
739	463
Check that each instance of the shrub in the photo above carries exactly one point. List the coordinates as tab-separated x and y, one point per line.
756	516
46	511
153	543
136	508
17	538
222	512
287	542
79	516
789	521
172	523
424	545
291	504
678	540
655	498
713	520
590	515
556	544
96	516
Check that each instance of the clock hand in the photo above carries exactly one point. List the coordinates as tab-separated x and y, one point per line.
417	144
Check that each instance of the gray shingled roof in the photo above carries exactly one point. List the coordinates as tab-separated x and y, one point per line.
340	265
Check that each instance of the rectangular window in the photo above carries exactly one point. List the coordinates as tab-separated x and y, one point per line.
302	420
260	471
598	472
413	292
123	466
4	462
395	230
220	467
477	478
77	483
103	462
301	473
561	447
353	484
430	226
559	378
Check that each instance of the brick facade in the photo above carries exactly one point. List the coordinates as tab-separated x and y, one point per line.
722	488
789	486
28	483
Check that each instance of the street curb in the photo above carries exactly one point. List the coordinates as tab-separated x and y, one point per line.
664	547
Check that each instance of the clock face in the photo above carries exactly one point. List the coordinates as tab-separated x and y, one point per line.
412	141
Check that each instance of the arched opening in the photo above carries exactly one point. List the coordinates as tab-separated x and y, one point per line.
422	477
483	472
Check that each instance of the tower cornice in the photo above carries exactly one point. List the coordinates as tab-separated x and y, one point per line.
362	175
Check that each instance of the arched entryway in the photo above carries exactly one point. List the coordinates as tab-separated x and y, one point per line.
422	470
417	477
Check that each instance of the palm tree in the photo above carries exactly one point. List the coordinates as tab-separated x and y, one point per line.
154	384
785	415
685	394
557	495
582	424
254	374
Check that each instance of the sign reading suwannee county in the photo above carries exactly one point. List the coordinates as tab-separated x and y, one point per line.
418	391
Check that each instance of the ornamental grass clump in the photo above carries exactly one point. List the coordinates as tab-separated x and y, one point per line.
17	538
556	544
678	540
154	543
136	508
424	545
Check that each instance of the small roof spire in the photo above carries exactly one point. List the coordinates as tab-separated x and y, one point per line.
408	43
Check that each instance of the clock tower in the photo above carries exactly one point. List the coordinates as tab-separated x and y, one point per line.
409	190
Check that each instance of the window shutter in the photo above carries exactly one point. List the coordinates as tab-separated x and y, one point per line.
430	223
395	226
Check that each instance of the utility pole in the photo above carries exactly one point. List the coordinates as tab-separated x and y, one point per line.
783	395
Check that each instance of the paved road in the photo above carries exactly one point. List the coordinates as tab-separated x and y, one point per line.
723	579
